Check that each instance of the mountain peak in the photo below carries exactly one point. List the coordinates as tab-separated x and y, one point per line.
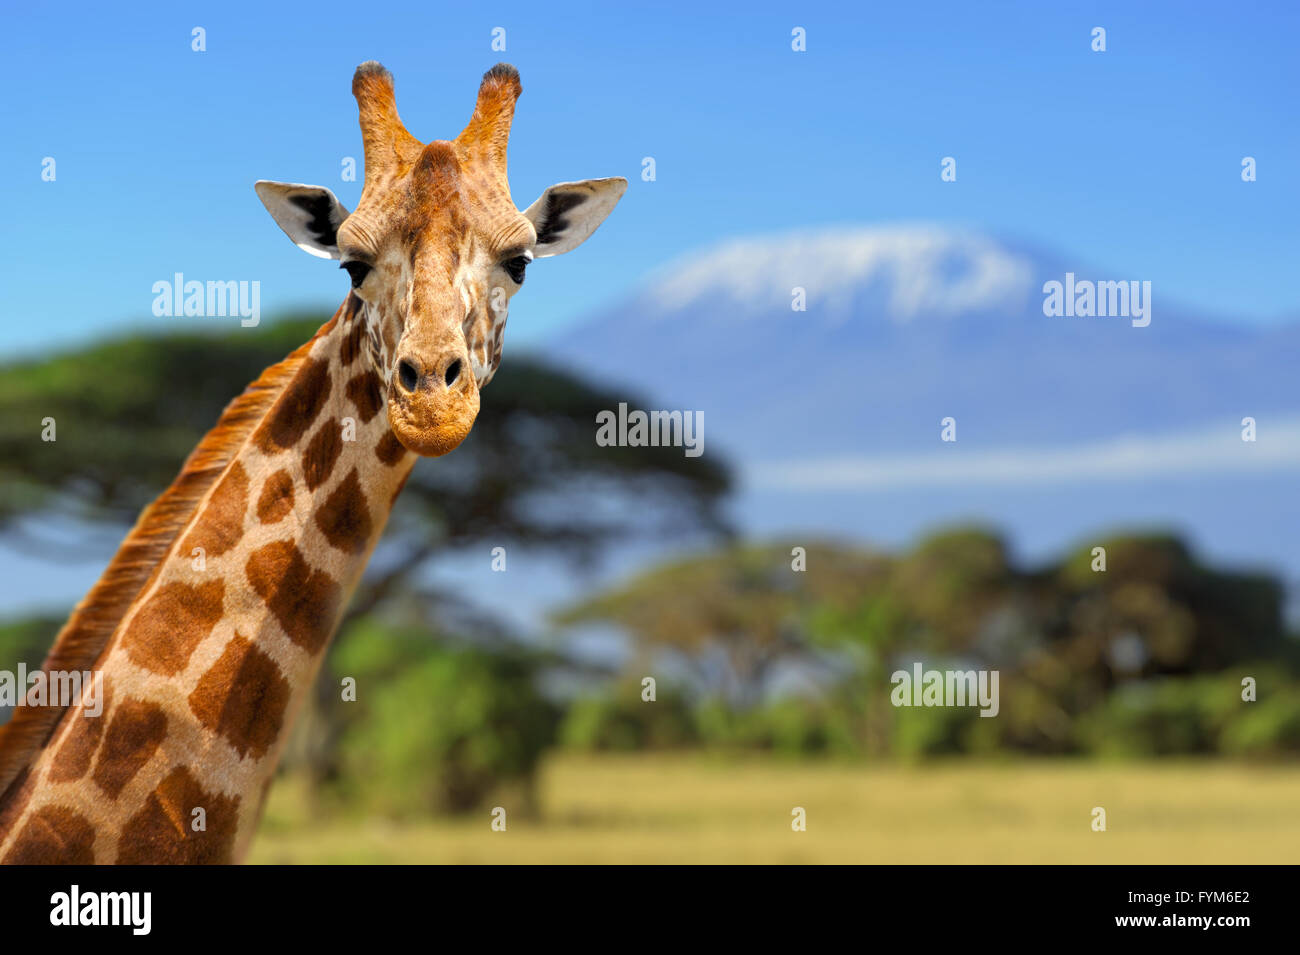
904	270
913	323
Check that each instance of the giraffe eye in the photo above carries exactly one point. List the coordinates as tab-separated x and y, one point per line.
515	268
358	271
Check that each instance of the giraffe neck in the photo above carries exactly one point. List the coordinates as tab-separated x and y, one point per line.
203	675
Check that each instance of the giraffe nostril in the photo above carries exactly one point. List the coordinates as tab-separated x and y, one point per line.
453	372
407	375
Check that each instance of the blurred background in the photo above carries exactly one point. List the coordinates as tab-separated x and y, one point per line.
827	536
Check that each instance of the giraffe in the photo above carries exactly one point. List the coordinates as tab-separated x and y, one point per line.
209	624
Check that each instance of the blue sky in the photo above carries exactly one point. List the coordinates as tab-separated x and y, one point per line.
1129	159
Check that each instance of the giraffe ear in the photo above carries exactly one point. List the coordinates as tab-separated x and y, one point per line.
309	215
567	213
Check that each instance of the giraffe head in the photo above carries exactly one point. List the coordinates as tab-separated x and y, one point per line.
436	249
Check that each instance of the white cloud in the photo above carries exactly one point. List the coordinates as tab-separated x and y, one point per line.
1218	450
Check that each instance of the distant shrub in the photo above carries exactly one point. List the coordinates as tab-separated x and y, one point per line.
621	721
1196	715
920	731
790	727
1152	718
1267	728
436	728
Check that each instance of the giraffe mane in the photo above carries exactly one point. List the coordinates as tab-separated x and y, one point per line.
96	618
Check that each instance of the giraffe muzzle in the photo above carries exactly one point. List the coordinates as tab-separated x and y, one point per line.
432	404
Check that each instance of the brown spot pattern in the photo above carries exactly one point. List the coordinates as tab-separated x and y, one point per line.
352	342
172	623
303	600
389	450
74	757
222	523
364	392
162	832
134	733
296	409
322	451
53	836
344	518
243	698
387	338
351	308
276	499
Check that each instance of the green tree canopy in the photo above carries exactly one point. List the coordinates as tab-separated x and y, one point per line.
129	410
1066	634
746	604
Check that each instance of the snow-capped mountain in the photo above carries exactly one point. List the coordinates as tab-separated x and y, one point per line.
916	270
907	325
1063	424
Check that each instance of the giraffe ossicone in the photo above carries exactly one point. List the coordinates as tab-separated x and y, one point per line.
205	662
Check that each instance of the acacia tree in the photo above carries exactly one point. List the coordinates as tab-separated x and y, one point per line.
127	412
1064	635
733	616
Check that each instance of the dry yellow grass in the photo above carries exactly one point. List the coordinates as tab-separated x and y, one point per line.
691	809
